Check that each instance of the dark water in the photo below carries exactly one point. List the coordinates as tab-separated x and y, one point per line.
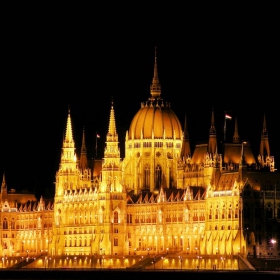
67	274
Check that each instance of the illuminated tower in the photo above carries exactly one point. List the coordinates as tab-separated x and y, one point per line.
112	197
71	210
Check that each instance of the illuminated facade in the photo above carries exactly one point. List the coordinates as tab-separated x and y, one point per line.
160	198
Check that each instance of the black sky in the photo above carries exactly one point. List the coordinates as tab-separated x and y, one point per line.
49	64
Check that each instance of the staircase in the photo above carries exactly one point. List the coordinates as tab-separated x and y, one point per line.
146	262
23	263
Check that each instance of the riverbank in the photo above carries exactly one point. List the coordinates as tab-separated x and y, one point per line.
67	274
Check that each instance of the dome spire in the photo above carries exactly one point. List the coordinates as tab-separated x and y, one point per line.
155	87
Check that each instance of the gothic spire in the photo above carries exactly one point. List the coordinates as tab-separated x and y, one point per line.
212	130
186	151
68	147
236	138
212	136
4	184
155	87
111	171
83	164
112	131
69	134
264	147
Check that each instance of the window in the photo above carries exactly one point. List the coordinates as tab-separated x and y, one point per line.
137	145
158	144
116	242
147	144
116	217
5	223
13	223
147	176
129	218
158	176
169	144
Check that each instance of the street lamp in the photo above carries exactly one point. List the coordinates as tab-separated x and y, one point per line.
273	241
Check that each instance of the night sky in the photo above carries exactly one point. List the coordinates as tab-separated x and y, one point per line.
50	65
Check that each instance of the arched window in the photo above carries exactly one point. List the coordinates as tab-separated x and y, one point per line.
5	223
13	224
147	174
158	177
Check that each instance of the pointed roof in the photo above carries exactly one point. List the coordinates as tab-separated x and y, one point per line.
212	130
212	136
83	163
68	155
233	153
236	138
69	134
264	146
186	150
155	87
4	184
112	131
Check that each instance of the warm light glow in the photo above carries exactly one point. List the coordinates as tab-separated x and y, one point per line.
273	241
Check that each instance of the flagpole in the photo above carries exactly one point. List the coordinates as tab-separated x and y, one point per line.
225	128
95	144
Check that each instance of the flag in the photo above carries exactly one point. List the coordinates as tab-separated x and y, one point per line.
228	117
97	135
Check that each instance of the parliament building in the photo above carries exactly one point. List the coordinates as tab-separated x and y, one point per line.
161	198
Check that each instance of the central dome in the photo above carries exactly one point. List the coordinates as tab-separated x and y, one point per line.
155	120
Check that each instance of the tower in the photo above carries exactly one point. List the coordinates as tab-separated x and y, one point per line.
112	197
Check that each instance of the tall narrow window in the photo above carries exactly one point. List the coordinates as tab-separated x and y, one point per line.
5	223
147	174
116	217
13	224
158	177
